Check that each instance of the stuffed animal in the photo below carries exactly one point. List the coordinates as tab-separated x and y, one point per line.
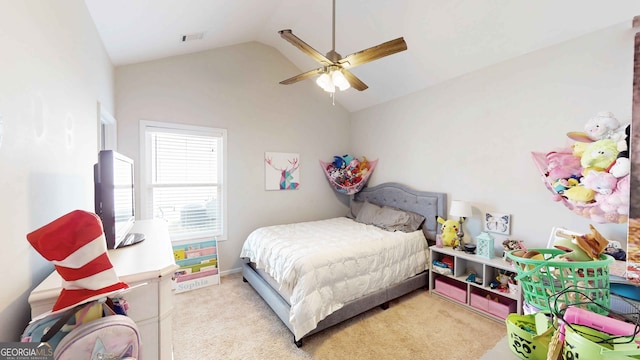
562	165
580	194
604	125
578	148
449	231
601	182
599	155
622	165
561	185
618	201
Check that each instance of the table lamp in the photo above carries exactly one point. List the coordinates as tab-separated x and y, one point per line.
462	210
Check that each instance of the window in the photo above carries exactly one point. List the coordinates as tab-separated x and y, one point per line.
183	178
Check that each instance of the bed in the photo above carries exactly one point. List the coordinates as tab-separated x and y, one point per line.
324	275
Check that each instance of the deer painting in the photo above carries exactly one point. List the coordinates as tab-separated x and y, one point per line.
286	173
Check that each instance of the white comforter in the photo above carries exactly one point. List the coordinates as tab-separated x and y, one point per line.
324	264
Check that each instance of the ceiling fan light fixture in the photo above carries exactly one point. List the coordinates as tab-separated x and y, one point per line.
325	82
338	79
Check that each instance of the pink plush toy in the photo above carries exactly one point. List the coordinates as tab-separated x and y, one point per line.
563	165
601	182
618	201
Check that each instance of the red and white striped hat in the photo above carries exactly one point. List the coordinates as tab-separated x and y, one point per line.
76	245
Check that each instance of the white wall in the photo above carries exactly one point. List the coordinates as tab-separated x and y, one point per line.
236	88
54	72
472	137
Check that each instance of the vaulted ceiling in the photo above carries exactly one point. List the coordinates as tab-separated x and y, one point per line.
445	38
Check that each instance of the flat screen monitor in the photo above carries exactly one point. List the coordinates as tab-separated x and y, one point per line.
115	198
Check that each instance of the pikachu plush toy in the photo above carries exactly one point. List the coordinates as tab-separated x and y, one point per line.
449	231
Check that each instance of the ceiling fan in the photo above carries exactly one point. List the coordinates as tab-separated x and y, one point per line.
334	71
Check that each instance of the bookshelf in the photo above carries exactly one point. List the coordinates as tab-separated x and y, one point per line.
198	265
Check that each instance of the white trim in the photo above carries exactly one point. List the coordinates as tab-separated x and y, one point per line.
107	130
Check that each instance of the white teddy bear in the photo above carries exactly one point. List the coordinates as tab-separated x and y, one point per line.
604	126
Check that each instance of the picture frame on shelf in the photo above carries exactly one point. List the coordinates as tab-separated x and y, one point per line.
497	223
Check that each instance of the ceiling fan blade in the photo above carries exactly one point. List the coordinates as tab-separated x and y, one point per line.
354	81
374	53
295	41
305	75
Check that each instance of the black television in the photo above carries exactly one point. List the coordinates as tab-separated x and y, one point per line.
115	198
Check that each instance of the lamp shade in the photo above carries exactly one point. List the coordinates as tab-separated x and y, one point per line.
460	209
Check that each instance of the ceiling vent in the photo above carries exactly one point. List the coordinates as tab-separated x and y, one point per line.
193	36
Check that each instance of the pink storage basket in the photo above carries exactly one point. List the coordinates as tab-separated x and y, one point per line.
348	189
600	211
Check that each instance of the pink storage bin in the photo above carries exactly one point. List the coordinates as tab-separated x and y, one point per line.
451	289
503	307
479	301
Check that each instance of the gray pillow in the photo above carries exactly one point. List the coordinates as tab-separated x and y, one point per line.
388	218
391	219
368	213
414	223
354	209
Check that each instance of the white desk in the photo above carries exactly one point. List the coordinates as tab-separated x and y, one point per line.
151	305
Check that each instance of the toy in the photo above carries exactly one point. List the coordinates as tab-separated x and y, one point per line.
600	181
593	244
449	231
504	278
604	125
580	194
622	165
618	201
511	244
570	246
338	162
348	174
364	164
616	253
594	190
563	165
560	185
578	148
599	155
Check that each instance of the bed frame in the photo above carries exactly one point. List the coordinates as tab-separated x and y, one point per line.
428	204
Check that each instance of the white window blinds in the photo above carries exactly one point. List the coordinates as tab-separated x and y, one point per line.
185	186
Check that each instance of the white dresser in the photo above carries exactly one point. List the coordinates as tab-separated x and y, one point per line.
150	305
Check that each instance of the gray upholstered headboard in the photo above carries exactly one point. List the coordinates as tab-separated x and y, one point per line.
425	203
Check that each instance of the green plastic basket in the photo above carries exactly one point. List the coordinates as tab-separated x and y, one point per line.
529	335
582	342
553	284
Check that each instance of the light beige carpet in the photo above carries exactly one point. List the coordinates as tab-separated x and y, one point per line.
231	321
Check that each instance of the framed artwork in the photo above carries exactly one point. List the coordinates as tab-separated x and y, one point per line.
497	223
281	171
